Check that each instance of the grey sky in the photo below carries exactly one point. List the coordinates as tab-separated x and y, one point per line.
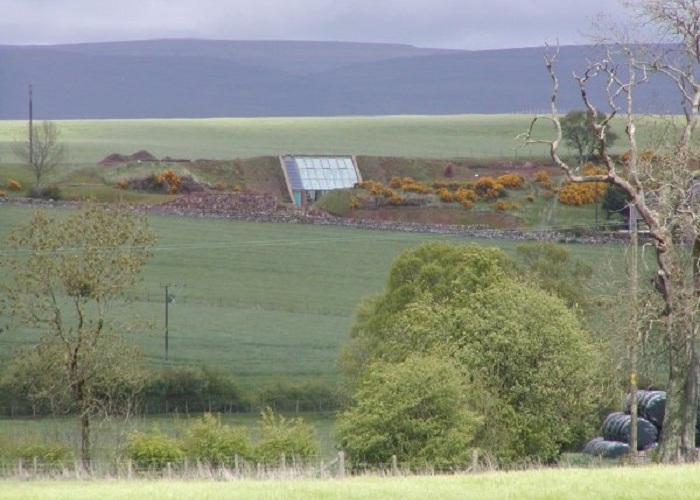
459	24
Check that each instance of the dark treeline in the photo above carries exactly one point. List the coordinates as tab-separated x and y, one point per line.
189	389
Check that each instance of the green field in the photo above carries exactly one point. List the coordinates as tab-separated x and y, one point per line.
456	136
655	482
260	301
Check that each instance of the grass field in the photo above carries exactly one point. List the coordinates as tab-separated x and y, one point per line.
657	482
260	301
456	136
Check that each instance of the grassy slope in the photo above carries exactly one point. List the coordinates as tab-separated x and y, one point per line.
561	484
259	301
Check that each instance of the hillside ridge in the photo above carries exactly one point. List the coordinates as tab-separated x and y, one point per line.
191	78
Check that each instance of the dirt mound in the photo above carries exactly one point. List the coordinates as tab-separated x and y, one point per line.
139	156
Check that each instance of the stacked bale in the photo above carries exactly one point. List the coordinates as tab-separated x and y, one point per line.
617	426
651	405
599	447
651	410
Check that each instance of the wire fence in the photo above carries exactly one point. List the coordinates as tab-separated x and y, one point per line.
288	467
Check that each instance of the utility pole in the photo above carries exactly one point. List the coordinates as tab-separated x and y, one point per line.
635	333
168	300
31	129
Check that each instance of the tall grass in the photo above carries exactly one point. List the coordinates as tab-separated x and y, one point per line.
658	482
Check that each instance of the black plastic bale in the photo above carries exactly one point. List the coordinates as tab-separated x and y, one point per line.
651	405
590	446
654	407
616	427
598	447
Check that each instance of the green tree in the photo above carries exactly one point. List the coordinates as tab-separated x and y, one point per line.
616	202
416	409
553	269
524	353
44	152
578	133
64	276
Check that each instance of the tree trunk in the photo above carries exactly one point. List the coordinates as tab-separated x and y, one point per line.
677	443
85	440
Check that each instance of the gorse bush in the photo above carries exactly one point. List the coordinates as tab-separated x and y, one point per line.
583	193
13	185
511	180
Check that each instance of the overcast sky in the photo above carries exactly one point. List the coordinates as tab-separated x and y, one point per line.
458	24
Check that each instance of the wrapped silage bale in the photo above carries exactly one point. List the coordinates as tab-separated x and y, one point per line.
651	405
616	427
599	447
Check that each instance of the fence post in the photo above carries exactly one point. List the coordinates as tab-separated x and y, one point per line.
475	460
235	461
394	465
170	472
129	469
35	463
341	463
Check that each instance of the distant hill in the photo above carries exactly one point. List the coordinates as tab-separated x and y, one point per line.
205	78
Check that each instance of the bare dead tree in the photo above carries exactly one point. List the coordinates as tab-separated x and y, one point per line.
43	152
660	183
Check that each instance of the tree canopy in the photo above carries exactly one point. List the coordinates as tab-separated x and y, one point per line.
529	369
579	134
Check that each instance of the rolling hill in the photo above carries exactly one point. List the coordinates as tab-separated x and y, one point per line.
208	78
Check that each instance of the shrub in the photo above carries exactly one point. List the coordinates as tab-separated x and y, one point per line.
54	454
415	409
2	193
502	205
530	197
374	187
122	184
466	197
13	185
45	193
511	180
488	188
449	171
152	450
583	193
208	440
542	178
446	195
289	437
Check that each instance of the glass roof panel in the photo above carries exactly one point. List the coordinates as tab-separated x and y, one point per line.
325	172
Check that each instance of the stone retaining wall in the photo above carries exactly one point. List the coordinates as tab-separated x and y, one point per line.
227	207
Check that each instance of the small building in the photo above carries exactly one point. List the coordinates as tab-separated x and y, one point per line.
309	177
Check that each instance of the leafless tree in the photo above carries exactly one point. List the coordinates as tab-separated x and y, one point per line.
43	152
660	183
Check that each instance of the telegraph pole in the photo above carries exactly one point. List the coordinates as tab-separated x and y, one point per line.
168	300
31	129
635	333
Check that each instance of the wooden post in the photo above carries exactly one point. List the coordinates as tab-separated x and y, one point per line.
394	465
341	463
475	460
634	336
